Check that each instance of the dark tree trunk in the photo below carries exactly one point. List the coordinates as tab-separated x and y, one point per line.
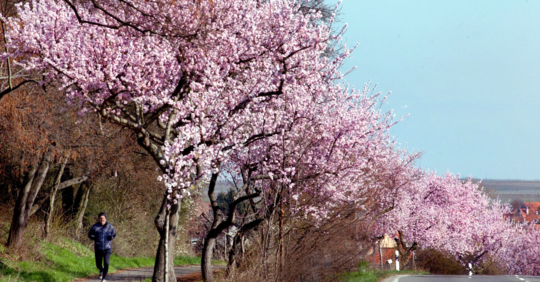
206	261
26	198
159	266
219	224
231	264
210	240
238	243
18	222
78	202
85	187
52	197
68	197
404	251
281	255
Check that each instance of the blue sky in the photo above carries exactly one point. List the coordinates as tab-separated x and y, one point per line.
468	73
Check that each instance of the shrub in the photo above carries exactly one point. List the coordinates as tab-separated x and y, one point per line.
437	262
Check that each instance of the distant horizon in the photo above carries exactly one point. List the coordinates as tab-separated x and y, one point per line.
500	179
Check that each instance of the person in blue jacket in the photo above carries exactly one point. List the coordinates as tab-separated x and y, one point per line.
102	233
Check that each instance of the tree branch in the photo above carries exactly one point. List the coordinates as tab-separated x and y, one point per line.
72	182
10	89
61	186
121	22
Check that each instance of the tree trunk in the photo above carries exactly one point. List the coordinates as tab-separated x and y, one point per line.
82	208
26	199
404	251
166	246
231	264
159	266
208	251
49	215
68	200
281	243
77	203
18	222
210	240
237	243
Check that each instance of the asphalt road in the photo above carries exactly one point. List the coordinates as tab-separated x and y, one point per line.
142	273
463	278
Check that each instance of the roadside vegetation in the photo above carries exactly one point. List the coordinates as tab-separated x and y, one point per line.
65	260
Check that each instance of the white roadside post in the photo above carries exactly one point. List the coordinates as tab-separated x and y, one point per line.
397	260
470	269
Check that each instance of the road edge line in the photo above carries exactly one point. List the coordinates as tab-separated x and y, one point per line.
396	279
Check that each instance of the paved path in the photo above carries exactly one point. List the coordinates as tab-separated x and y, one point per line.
143	273
462	278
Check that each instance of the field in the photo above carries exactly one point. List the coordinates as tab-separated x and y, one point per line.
509	190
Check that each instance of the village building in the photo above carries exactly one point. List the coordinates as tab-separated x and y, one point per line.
527	213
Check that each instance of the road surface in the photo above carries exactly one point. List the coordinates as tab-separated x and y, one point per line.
146	272
463	278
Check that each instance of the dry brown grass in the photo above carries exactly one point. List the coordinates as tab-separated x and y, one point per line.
312	250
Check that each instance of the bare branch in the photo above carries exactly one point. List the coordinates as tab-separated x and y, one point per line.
72	182
10	89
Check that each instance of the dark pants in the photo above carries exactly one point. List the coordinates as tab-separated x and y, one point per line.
102	261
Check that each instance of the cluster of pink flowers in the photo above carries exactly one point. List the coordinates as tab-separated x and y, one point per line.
249	85
455	216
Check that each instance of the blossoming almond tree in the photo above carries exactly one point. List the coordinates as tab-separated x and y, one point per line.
321	160
520	253
447	214
195	80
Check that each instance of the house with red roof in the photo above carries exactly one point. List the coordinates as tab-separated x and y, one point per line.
382	253
528	213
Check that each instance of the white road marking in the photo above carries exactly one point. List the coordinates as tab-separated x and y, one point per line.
397	278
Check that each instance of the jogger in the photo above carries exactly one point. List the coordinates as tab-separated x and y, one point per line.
102	233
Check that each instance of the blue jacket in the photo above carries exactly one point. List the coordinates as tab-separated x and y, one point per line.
102	235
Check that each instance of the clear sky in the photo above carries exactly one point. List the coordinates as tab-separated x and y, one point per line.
468	72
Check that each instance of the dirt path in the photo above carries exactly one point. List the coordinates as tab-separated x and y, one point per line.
183	274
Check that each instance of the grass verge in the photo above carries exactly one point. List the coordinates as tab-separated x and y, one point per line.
365	273
67	260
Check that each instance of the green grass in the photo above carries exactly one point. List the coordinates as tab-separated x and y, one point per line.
68	260
186	260
365	273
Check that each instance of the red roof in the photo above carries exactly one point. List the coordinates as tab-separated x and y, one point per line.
529	213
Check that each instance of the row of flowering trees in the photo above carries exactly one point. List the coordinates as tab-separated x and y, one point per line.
253	89
457	217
